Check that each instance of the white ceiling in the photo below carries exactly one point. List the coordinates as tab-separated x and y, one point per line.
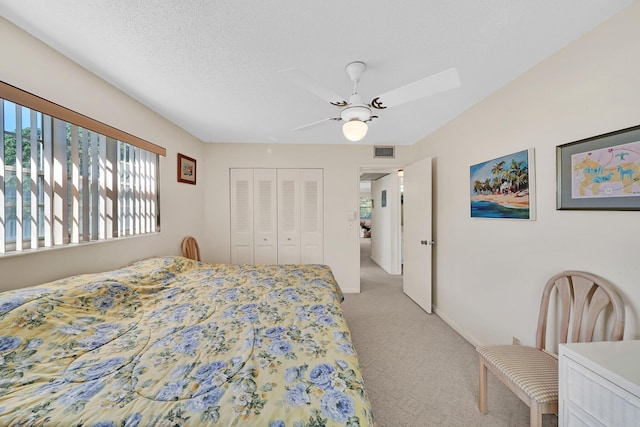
211	66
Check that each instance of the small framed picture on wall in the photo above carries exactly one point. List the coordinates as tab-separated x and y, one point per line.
186	169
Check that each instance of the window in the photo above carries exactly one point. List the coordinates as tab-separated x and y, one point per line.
64	182
366	204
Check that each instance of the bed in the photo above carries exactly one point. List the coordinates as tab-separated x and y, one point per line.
169	341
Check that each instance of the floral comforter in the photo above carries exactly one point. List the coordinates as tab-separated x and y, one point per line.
174	342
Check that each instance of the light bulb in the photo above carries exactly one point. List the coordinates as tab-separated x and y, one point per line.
354	130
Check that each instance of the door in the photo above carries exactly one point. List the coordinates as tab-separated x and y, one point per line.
265	220
241	216
288	216
276	216
311	223
417	239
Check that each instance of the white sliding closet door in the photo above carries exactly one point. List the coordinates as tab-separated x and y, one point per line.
288	216
311	209
265	219
241	181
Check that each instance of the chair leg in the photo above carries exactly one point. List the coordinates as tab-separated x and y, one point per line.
535	412
482	386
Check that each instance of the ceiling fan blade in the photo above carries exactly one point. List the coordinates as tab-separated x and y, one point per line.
303	80
318	123
436	83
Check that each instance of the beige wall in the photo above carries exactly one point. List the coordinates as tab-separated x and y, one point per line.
341	164
489	274
385	224
34	67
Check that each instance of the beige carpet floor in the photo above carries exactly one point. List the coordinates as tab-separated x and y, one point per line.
418	371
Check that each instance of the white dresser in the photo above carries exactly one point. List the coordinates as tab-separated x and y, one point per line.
599	384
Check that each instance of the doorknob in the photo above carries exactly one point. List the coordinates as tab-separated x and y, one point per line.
427	242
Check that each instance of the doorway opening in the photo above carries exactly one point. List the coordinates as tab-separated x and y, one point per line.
380	202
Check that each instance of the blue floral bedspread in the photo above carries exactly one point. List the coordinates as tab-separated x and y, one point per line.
174	342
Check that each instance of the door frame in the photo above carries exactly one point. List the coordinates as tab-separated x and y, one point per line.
391	169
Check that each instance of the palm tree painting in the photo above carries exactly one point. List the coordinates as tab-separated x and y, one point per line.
503	187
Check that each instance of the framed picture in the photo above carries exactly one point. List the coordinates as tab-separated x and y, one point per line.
504	187
186	169
600	173
383	199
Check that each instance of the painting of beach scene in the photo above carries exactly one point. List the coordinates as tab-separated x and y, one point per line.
503	187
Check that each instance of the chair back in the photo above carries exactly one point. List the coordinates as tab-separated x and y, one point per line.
190	248
581	298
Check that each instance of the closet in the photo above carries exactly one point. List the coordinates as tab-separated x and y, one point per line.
276	216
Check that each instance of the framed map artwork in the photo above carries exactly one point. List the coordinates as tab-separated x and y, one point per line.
600	173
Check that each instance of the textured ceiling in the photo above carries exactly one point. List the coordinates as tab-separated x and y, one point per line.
211	67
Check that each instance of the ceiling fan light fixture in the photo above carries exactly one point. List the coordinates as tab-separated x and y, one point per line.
355	113
354	130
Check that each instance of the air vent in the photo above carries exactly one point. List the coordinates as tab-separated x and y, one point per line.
381	151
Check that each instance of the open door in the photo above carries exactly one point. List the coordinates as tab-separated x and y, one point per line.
417	238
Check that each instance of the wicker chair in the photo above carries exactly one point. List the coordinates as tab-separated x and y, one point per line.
532	372
190	248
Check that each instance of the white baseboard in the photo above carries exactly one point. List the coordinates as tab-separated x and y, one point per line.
464	334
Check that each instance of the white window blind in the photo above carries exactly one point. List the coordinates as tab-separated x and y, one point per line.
62	183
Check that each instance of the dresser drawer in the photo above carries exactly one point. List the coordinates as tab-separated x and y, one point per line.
605	403
598	385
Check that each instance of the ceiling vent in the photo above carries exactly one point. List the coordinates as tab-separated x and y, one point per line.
384	151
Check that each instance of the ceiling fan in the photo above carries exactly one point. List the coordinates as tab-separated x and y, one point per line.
354	113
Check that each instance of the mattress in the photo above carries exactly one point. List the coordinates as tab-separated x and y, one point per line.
169	341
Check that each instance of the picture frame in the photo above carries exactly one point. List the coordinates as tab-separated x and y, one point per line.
504	187
383	199
186	169
600	173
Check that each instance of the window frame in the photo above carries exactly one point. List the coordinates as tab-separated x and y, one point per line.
125	161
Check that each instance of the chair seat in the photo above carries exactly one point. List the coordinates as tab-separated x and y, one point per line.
532	370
